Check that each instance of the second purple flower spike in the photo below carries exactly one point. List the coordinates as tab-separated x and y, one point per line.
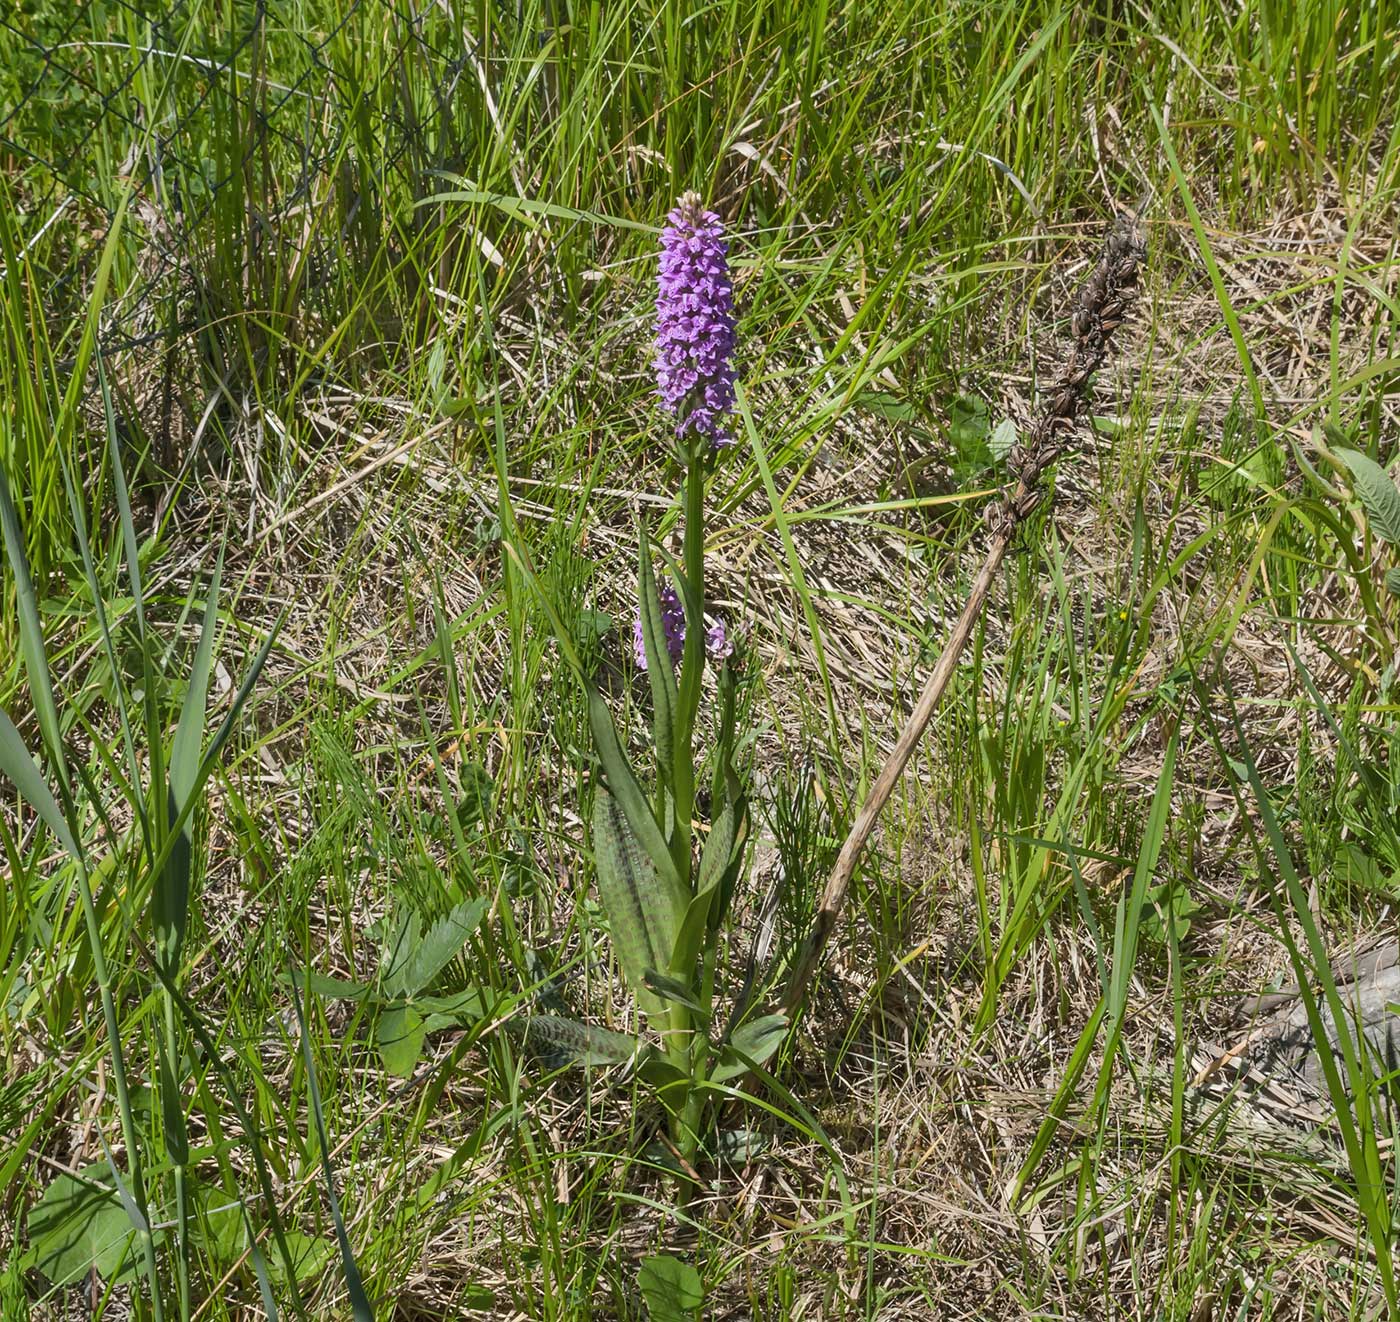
695	323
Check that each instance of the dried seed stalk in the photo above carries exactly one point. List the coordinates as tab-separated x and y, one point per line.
1099	309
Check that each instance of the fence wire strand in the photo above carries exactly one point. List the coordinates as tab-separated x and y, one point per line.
85	68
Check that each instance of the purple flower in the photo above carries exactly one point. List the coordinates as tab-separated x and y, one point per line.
695	323
718	644
672	622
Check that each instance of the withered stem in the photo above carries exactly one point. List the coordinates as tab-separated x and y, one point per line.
1099	309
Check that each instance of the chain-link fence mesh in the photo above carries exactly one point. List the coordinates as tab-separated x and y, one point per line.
228	123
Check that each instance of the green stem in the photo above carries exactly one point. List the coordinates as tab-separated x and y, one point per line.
692	660
182	1211
683	1039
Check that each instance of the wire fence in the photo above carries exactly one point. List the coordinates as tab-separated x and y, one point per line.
197	110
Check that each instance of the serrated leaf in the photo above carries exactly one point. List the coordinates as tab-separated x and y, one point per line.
642	911
1002	440
583	1043
672	1288
80	1225
1378	494
439	946
398	954
464	1007
752	1044
399	1037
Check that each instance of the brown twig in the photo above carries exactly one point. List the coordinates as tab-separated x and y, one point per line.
1098	312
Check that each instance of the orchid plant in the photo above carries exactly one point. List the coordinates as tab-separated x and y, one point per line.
666	882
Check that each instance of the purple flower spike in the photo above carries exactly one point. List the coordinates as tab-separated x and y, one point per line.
719	646
695	323
672	622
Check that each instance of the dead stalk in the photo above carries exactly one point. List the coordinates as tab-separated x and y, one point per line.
1099	310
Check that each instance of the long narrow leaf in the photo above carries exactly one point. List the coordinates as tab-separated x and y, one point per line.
714	863
16	763
659	670
617	767
644	913
189	733
31	634
128	525
1352	1107
359	1303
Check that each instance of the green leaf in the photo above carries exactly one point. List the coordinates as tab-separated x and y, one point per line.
661	1072
438	947
1392	581
623	786
585	1044
1003	440
399	1037
398	955
476	1298
310	1257
189	733
617	769
886	405
673	989
464	1007
594	626
78	1225
643	914
1378	495
672	1288
322	984
521	207
31	634
968	422
740	1145
1169	902
751	1045
475	801
218	1218
177	1142
16	763
354	1286
170	897
714	862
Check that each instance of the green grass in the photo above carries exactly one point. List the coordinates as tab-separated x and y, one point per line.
386	302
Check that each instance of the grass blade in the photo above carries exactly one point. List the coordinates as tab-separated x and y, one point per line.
359	1303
